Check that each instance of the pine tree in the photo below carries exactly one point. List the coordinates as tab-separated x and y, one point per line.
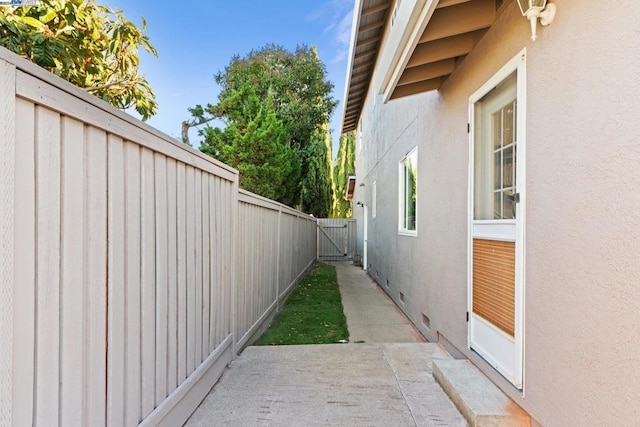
345	165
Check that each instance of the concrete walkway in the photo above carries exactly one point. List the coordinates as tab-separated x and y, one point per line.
383	377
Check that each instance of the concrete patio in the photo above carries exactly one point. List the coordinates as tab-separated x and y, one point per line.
384	376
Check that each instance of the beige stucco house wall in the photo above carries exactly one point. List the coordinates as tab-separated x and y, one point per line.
582	229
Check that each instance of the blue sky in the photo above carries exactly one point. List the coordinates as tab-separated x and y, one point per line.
197	39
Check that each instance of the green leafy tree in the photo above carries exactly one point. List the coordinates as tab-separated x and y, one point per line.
345	165
91	46
316	186
302	101
254	142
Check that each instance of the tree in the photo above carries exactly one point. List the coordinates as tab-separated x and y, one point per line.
301	96
316	185
254	142
345	166
91	46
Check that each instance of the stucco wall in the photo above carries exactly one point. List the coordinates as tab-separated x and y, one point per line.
582	291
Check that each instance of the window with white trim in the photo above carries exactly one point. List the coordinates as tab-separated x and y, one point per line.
374	197
408	195
360	140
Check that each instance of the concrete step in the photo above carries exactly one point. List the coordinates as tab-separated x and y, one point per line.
480	401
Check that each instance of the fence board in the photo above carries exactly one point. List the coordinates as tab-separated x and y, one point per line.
148	282
162	261
198	268
24	338
7	230
116	381
96	260
206	265
48	266
172	254
191	274
133	390
72	299
182	272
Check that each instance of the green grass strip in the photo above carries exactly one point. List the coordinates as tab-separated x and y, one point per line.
313	313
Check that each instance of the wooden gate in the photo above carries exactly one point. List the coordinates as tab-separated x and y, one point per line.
336	239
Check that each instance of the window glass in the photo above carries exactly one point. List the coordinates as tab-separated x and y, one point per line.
495	153
408	192
374	196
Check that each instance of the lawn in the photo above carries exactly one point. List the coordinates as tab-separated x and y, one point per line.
313	313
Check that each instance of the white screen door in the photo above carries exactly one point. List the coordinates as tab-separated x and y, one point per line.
496	267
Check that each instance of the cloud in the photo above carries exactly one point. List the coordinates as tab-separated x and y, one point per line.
337	15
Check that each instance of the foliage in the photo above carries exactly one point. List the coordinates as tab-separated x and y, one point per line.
345	166
89	45
254	142
316	184
313	313
301	97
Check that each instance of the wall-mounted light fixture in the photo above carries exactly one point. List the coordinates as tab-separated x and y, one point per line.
537	9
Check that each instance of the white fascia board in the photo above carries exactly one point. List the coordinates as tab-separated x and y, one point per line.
355	27
411	20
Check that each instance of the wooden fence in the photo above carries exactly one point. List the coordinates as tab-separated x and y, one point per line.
337	239
132	267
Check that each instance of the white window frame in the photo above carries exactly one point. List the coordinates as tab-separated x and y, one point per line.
360	139
402	229
374	197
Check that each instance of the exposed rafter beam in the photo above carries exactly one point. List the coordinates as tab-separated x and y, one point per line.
366	53
367	64
370	40
447	3
415	88
357	85
360	74
460	19
449	47
427	71
375	9
354	107
371	26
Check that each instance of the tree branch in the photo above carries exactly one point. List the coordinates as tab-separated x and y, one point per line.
105	86
189	124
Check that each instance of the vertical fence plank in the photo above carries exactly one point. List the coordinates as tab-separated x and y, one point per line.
172	326
133	390
220	259
161	254
96	253
214	256
191	267
148	283
48	266
228	227
72	284
206	265
116	302
182	271
197	308
24	274
7	230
